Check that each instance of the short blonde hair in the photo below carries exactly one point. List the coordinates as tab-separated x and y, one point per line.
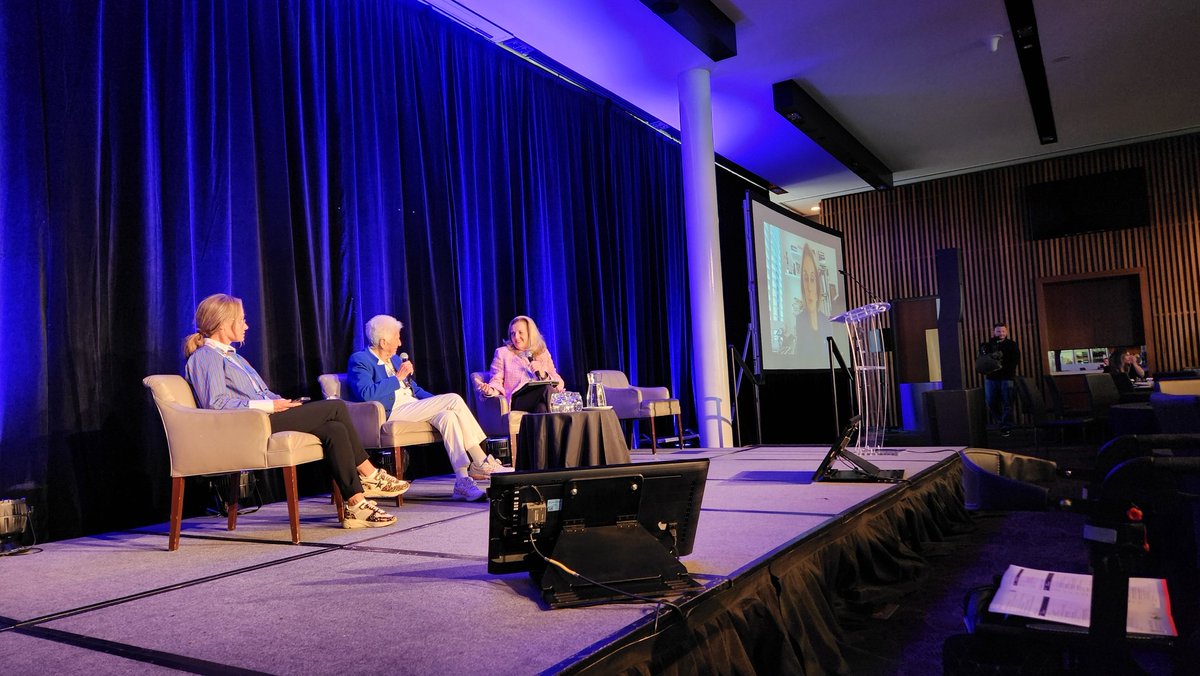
211	313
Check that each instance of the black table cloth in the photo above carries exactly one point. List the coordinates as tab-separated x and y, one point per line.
583	439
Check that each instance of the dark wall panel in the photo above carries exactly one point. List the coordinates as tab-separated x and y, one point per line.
891	238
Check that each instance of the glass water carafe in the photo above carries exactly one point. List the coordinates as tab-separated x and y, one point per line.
595	392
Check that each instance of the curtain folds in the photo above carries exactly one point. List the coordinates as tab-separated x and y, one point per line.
325	161
789	615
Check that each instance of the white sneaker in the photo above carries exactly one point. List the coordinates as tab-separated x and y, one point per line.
366	514
465	488
380	484
482	471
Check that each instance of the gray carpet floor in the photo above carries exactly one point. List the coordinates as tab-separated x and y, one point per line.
412	598
417	597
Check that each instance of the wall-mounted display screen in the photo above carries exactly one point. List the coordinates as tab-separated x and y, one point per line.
1112	200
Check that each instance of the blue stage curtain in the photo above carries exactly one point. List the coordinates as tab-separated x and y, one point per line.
325	161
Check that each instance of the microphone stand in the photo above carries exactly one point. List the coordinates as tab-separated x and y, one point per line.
872	297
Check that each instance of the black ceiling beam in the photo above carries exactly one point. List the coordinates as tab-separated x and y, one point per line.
701	23
797	107
1023	23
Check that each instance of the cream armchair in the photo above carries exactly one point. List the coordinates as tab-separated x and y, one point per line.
631	402
494	415
373	427
203	441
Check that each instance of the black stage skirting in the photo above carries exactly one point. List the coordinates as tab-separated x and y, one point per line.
785	612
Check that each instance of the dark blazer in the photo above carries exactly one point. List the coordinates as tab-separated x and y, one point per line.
1010	356
368	380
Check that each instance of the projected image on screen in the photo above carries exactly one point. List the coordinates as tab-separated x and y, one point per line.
798	289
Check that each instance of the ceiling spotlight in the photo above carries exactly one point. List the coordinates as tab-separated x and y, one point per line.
816	208
995	42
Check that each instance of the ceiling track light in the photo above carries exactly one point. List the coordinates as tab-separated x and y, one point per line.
1029	54
797	107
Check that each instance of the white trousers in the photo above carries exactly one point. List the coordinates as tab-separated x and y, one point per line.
451	416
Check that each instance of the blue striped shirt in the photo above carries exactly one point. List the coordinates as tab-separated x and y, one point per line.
221	378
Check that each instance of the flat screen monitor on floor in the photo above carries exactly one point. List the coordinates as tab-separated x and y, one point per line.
622	527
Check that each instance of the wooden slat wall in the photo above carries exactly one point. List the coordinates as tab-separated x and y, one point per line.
891	238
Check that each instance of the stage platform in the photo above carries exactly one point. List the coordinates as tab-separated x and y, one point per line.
775	552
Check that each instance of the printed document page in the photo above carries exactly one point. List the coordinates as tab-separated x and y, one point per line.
1067	598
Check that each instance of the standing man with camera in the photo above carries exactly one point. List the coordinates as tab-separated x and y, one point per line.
998	383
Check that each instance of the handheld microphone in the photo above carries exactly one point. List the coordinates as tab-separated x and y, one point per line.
528	354
404	358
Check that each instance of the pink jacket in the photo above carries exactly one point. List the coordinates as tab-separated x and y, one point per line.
510	370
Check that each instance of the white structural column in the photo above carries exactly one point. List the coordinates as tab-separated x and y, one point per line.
709	363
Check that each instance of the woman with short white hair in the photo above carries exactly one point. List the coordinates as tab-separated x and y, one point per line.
378	374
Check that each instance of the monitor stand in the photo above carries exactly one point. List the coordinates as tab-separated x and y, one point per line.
624	556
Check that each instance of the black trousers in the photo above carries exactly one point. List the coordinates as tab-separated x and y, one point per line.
329	421
534	399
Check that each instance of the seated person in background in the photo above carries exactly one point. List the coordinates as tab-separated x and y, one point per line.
1127	362
1125	368
521	359
377	374
223	379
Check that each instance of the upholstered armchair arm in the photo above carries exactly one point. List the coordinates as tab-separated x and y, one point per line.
649	393
204	441
626	401
493	415
367	418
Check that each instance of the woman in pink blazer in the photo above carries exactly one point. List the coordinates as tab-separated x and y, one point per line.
522	358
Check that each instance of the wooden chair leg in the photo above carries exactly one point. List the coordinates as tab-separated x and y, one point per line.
289	487
338	502
231	503
176	512
400	466
653	438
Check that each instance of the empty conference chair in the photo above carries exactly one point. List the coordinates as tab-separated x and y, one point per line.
1042	418
1056	402
1001	480
1102	394
631	402
1176	413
